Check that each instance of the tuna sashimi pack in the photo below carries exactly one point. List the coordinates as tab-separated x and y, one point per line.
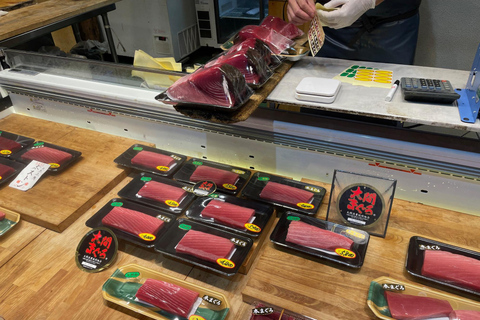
214	249
9	169
322	239
277	42
287	29
259	47
161	193
11	143
8	219
132	222
149	159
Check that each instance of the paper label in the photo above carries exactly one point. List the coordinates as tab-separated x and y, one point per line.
29	176
316	36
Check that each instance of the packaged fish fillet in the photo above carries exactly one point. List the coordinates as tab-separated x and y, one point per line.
261	48
11	143
277	42
8	169
149	159
8	219
287	29
163	297
266	311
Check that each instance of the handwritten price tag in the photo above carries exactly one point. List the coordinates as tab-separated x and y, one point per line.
29	176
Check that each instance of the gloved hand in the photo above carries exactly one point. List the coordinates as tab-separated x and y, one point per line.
346	15
300	11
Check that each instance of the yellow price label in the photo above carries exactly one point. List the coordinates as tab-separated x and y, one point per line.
163	168
147	236
345	253
54	165
253	227
356	234
229	186
226	263
172	203
5	152
195	317
304	205
238	171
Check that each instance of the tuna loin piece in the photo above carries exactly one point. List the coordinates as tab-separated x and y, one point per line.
404	306
223	86
276	42
161	192
228	214
8	144
304	234
286	29
168	297
452	268
131	221
282	193
152	160
204	246
464	315
219	176
47	155
257	45
5	171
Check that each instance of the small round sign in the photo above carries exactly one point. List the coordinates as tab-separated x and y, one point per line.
360	205
97	250
204	188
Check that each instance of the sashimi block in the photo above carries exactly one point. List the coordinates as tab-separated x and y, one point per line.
286	29
161	192
282	193
5	170
404	306
452	268
204	246
168	297
47	155
219	176
304	234
277	42
464	315
257	45
152	160
8	144
228	214
2	215
131	221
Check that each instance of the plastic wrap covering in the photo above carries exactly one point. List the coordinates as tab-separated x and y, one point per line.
277	42
286	29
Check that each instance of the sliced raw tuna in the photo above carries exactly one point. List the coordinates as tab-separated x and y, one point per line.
282	193
219	176
228	214
8	144
276	42
168	297
404	306
47	155
131	221
257	45
304	234
217	85
464	315
452	268
2	215
5	170
205	246
286	29
161	192
152	160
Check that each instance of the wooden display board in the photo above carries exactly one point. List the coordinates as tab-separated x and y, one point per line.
57	200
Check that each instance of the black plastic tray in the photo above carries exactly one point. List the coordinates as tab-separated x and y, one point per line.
95	221
16	166
169	241
22	140
360	238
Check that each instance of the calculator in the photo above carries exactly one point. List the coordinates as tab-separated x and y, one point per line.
428	90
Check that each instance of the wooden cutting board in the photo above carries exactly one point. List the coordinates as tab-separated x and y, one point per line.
57	200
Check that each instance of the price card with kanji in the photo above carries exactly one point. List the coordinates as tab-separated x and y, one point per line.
361	201
97	250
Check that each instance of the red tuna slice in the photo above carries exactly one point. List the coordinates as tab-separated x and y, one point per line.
47	155
219	176
8	144
276	42
282	193
217	85
257	45
307	235
131	221
464	315
452	268
5	171
228	214
168	297
204	246
2	215
161	192
152	160
286	29
404	306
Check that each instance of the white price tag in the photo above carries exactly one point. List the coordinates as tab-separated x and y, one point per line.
27	178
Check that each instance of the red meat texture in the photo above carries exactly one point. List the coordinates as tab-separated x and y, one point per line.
5	170
168	297
404	306
227	213
304	234
131	221
161	192
8	144
152	160
286	29
256	45
452	268
47	155
205	246
219	176
2	215
275	41
282	193
464	315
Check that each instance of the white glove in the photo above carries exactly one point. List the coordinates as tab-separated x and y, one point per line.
346	15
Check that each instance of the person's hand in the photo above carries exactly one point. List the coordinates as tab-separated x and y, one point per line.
300	11
346	15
